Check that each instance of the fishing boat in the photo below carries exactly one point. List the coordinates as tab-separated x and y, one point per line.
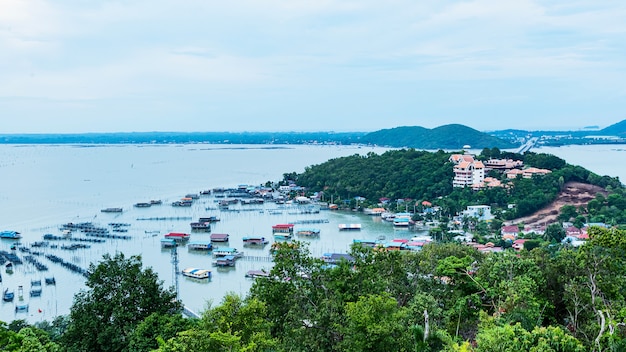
349	227
35	292
257	273
308	232
11	235
143	205
112	210
21	308
197	273
255	241
51	281
283	228
8	296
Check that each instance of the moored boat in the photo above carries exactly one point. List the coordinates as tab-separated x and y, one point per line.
143	205
308	232
168	243
8	295
12	235
112	210
200	226
257	273
346	227
197	273
283	228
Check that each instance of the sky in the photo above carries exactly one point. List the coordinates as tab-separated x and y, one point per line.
73	66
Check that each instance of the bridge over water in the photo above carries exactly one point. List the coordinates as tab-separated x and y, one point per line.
527	146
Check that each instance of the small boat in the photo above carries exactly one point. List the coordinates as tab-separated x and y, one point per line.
209	219
346	227
156	202
255	241
35	292
143	205
21	308
257	273
50	281
35	283
197	273
308	232
11	235
9	268
112	210
8	296
178	236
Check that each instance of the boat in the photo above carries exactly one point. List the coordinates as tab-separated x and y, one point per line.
255	241
112	210
35	292
50	281
227	260
8	296
308	232
348	227
209	219
257	273
143	205
197	273
200	245
200	226
178	236
219	237
21	308
156	202
9	268
11	235
226	251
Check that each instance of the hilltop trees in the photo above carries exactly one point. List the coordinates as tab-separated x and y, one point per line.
120	296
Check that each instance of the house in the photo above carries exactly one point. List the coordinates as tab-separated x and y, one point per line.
480	212
511	230
518	244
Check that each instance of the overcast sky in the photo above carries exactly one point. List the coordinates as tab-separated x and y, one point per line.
311	65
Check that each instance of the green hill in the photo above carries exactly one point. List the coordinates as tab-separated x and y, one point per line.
617	129
453	137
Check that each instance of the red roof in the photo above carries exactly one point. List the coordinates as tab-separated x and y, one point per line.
283	226
177	234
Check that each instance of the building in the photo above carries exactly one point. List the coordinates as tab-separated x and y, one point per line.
467	171
480	212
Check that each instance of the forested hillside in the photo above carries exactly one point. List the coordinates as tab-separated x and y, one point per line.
422	175
453	136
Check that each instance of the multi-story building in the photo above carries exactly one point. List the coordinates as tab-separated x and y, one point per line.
467	171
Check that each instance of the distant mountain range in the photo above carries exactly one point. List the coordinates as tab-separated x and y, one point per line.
450	137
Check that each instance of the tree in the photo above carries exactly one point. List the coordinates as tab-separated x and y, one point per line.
120	296
554	233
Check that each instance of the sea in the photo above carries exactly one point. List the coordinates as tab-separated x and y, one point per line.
43	187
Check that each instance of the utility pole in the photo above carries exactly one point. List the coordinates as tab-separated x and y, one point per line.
175	269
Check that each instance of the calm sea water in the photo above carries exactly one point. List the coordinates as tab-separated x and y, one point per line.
44	186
